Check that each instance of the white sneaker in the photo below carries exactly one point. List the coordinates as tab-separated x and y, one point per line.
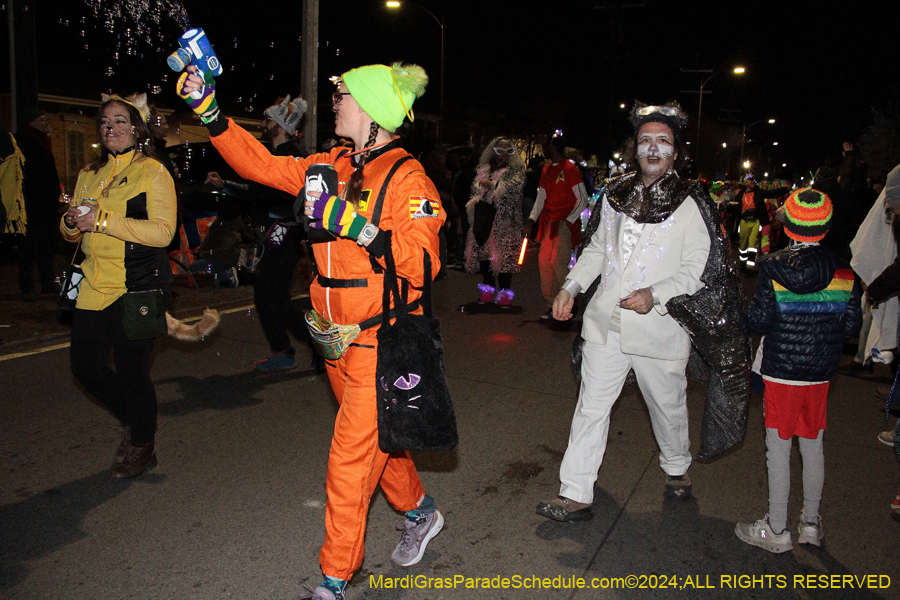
810	531
760	534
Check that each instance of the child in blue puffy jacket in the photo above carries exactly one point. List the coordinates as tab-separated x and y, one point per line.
807	304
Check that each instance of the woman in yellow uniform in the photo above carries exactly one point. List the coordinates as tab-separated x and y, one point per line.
370	103
124	214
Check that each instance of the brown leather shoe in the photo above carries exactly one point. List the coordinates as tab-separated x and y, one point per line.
882	392
122	450
565	509
137	460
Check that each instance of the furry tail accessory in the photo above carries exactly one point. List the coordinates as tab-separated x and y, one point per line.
196	331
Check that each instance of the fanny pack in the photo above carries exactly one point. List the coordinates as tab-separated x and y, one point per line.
332	340
143	314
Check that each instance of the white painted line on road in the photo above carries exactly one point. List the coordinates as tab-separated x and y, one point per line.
188	320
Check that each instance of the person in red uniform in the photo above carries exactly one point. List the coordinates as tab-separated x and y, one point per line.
369	104
561	198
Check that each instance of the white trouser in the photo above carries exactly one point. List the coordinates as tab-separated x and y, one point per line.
603	372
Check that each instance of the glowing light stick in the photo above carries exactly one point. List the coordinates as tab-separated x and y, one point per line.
522	253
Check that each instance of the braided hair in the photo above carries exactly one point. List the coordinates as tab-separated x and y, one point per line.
354	185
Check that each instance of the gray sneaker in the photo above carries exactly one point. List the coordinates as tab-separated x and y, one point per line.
320	593
415	538
810	531
760	534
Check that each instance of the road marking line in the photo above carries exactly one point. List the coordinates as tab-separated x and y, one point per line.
188	320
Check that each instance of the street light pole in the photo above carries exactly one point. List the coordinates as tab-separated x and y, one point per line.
440	22
700	118
736	71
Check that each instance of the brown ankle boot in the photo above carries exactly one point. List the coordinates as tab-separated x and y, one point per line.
122	450
137	460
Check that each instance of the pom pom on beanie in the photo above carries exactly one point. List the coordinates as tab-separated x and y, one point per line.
387	93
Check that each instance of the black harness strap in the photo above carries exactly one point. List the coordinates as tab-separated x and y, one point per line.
376	212
351	283
395	312
328	282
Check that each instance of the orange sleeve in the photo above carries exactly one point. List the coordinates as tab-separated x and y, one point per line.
413	228
251	160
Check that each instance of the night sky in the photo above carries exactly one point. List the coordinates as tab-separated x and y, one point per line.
533	67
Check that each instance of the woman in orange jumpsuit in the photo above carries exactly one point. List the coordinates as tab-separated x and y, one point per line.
369	105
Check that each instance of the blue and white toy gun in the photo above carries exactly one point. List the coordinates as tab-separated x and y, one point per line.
196	50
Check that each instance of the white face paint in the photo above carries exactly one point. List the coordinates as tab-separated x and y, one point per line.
655	151
656	145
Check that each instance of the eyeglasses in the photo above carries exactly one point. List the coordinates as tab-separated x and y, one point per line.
669	111
501	151
338	96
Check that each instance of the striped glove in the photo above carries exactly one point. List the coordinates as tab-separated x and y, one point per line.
205	106
338	216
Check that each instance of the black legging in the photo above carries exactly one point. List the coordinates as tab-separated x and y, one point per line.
128	391
272	294
488	277
38	246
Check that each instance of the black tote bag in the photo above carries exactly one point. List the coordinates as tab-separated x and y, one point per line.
415	411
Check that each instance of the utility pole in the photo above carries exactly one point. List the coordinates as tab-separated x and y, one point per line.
309	73
699	107
23	78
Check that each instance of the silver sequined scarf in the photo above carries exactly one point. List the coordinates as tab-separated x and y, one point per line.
627	194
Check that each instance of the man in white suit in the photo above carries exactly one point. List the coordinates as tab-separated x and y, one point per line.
651	246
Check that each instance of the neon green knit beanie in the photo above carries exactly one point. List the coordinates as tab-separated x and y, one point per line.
387	93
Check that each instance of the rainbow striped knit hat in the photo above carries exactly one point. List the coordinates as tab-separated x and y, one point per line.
807	215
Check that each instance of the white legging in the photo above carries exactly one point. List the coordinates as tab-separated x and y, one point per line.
778	460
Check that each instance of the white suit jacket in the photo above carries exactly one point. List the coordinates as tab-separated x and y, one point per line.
669	257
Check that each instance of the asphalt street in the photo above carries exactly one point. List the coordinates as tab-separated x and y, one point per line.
235	508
